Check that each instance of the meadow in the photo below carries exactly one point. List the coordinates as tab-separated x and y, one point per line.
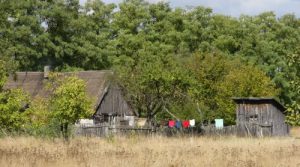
151	151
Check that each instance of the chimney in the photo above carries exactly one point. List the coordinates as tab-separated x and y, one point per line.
46	72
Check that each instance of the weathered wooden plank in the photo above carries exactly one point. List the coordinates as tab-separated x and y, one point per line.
265	114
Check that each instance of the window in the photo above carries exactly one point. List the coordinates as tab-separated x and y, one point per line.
252	118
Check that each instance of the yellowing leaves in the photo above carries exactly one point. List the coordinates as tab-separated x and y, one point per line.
70	101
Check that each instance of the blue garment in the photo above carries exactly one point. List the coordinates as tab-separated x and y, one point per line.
178	124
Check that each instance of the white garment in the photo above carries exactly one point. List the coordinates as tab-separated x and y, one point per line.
130	120
192	123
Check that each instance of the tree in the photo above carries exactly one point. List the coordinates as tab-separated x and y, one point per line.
95	36
22	32
12	102
12	105
3	74
293	109
59	33
154	82
38	117
69	102
293	114
220	79
246	81
78	35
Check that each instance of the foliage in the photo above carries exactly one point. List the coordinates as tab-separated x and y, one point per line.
39	121
220	79
6	67
3	74
38	113
293	114
12	103
246	81
50	116
58	32
154	82
69	102
148	44
293	110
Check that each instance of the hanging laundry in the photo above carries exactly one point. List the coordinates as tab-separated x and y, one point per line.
186	123
178	124
219	123
171	123
192	123
130	120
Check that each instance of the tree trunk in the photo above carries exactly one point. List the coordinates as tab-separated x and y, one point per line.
65	131
66	135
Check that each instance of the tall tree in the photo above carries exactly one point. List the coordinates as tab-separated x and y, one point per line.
69	102
22	31
220	79
155	83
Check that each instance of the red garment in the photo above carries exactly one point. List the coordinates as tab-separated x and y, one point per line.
171	123
185	124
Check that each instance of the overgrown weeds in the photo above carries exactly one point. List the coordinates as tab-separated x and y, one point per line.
150	151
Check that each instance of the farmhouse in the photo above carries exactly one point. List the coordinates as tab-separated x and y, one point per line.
261	116
109	104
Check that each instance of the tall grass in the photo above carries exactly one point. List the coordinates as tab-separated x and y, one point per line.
150	151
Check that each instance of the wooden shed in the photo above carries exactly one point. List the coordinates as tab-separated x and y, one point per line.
261	117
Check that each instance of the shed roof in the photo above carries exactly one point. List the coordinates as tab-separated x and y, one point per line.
35	85
259	100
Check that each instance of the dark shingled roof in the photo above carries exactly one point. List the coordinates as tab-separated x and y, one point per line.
34	83
259	100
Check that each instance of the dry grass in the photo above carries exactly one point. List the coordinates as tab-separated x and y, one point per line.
295	132
150	151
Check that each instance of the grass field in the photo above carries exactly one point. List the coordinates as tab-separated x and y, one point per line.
150	151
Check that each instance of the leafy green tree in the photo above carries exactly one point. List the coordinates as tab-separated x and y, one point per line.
220	79
22	32
293	114
38	116
97	36
69	102
247	81
79	35
3	74
154	83
59	33
293	109
12	103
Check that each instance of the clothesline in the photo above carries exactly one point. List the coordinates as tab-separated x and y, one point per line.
185	123
178	124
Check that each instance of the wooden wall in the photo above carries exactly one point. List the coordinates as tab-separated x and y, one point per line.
280	128
113	103
265	117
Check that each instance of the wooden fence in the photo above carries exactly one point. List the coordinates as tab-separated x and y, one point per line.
169	132
246	129
225	131
250	130
106	130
